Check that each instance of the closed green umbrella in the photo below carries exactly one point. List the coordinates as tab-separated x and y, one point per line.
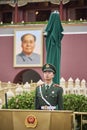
54	36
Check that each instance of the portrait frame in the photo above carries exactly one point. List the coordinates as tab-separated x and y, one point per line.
38	33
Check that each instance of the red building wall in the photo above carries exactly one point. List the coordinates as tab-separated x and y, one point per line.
73	57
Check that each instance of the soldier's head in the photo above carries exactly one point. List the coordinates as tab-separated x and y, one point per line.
49	68
49	72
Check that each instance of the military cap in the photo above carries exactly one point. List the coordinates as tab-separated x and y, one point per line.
49	67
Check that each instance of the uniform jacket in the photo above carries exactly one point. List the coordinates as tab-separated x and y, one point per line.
53	96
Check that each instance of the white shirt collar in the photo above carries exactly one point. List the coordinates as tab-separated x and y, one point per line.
48	84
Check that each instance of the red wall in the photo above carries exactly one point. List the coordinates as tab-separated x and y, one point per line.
7	71
73	58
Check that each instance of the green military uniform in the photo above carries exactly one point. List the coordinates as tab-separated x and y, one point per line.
49	98
53	96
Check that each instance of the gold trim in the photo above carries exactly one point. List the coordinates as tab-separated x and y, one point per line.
31	121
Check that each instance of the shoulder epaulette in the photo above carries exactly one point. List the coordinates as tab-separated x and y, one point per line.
56	85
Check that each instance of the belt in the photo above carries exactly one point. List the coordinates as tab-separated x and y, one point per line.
48	107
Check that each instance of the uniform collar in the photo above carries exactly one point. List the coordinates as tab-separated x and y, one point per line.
48	84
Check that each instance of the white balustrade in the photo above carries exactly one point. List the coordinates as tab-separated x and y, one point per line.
40	82
10	94
26	87
69	86
19	89
63	85
62	82
0	103
74	87
77	86
9	84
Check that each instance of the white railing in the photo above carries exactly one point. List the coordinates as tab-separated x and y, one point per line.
70	86
76	86
9	90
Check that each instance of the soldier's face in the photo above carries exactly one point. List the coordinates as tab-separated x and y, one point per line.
48	75
28	44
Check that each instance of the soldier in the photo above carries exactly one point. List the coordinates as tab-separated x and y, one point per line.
49	95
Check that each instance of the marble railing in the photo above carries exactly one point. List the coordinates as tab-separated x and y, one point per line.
69	87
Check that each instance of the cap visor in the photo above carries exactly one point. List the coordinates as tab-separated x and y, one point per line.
49	70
